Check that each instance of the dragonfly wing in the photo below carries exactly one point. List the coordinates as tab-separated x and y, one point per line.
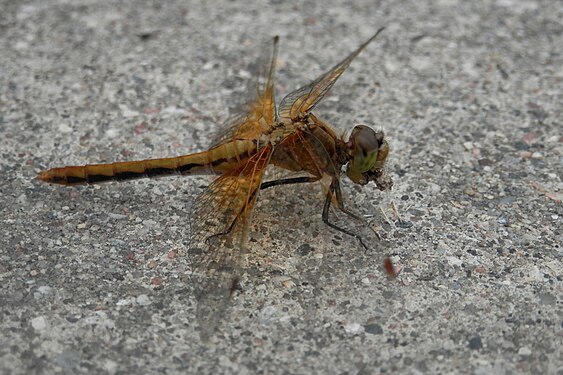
304	99
257	113
219	225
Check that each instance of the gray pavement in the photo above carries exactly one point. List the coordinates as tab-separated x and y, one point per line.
93	279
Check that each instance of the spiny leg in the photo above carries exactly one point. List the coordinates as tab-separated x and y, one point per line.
334	188
341	207
326	210
338	193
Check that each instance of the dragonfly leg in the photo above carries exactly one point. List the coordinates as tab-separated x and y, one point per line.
341	207
232	225
265	185
332	190
338	193
288	181
229	229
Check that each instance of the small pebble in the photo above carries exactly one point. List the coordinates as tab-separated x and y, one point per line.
524	351
39	323
143	300
468	145
353	328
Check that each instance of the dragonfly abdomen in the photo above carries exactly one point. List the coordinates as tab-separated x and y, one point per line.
120	171
215	161
224	157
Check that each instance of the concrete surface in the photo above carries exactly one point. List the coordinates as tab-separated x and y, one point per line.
469	93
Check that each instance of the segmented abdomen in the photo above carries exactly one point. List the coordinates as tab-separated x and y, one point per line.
215	161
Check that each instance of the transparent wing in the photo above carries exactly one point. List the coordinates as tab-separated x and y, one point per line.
219	225
304	99
256	114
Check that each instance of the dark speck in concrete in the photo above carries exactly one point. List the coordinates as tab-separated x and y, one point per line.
475	343
373	328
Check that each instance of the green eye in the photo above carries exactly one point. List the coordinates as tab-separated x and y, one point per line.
364	160
368	150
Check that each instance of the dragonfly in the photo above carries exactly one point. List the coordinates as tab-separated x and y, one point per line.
286	137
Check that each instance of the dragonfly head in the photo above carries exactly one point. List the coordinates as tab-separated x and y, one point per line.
368	151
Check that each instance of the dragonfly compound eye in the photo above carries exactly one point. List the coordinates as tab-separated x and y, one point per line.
363	148
368	152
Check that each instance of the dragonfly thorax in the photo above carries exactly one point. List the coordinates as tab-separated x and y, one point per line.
368	151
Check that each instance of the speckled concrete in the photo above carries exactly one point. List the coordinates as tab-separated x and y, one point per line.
469	94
